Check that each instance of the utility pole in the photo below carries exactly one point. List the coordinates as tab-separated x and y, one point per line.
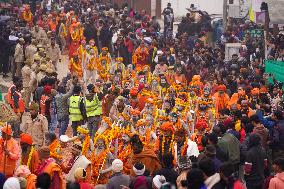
225	13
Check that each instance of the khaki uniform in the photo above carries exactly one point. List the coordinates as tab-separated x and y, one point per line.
40	75
46	43
54	54
26	74
30	51
36	128
40	36
19	59
33	82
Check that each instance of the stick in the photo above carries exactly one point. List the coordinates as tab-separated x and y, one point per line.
102	166
5	149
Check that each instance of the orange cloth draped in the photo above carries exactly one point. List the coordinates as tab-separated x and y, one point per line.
34	161
221	101
52	26
180	79
76	68
53	168
97	162
148	158
235	98
140	56
142	98
13	147
73	47
27	16
75	39
31	181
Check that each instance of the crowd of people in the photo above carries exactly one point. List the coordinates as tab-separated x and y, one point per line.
139	108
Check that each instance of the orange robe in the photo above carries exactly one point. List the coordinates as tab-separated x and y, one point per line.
221	102
10	160
180	79
31	181
52	168
148	158
141	56
34	161
76	68
52	26
75	39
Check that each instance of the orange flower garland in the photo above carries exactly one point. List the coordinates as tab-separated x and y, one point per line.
55	150
86	145
27	16
184	147
171	144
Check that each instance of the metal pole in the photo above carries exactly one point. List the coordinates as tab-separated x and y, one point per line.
225	13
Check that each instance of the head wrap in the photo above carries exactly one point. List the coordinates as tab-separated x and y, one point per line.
255	91
263	89
158	180
139	168
222	88
104	49
117	165
119	59
26	138
167	126
22	171
133	92
80	173
7	129
200	125
140	122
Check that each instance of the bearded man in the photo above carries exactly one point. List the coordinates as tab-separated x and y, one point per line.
30	156
143	154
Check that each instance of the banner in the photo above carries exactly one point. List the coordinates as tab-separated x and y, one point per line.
276	68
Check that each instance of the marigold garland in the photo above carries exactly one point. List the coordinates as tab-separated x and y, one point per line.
184	147
170	146
86	145
29	158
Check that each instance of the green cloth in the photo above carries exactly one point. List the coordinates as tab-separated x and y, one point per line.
276	68
1	96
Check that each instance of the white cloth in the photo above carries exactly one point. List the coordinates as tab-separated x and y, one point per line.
192	149
158	181
12	183
211	181
81	162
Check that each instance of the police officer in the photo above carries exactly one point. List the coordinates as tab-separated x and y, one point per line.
76	109
93	106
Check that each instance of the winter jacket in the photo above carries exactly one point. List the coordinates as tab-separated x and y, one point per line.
277	182
278	136
263	133
231	146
